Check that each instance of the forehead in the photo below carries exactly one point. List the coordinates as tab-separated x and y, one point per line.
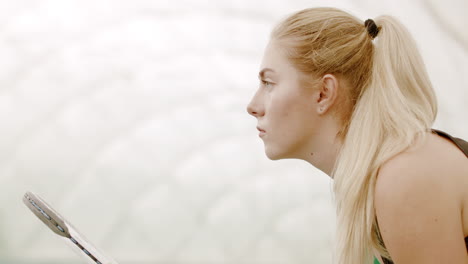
275	61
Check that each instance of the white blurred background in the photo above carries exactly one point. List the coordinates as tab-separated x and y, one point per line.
130	118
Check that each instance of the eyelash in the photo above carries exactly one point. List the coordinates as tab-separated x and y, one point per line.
266	83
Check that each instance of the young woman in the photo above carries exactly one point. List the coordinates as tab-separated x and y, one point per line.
354	100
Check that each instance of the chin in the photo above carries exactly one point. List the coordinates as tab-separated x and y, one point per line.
272	155
276	155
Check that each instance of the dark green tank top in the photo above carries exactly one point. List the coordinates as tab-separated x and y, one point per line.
463	146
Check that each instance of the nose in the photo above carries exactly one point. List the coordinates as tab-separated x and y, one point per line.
251	110
254	108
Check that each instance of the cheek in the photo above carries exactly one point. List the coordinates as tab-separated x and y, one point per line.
291	131
292	115
291	106
279	112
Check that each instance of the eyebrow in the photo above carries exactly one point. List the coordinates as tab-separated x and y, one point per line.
261	74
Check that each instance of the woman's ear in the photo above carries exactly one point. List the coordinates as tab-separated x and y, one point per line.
328	92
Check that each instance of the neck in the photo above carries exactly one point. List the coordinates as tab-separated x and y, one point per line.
326	149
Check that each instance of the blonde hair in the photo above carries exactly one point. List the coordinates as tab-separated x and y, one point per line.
389	103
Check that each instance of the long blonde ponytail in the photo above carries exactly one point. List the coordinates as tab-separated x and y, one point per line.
391	102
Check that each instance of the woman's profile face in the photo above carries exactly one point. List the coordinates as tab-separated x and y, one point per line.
285	110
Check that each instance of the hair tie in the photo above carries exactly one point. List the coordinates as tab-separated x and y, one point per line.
372	28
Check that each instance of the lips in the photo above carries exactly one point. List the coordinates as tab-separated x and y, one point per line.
261	130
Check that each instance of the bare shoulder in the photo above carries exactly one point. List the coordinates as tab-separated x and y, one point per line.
419	199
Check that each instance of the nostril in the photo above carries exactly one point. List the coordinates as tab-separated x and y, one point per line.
250	110
254	110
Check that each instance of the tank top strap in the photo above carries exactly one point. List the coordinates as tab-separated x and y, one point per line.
461	144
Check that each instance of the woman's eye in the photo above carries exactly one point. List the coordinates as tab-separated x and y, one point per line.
266	83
